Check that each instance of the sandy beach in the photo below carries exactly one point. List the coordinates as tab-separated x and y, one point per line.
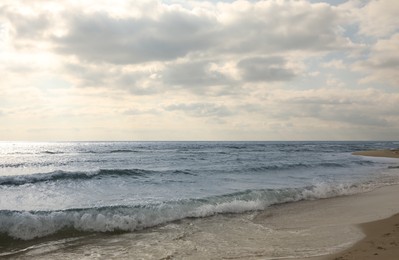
381	236
379	153
381	241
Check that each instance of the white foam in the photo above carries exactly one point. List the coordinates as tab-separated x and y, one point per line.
28	225
235	206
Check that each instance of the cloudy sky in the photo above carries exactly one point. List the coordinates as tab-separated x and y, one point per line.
199	70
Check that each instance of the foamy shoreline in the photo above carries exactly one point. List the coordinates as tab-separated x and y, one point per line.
314	229
308	229
333	225
381	239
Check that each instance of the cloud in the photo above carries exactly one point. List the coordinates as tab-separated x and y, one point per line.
28	30
275	69
99	37
265	69
193	41
140	111
173	32
350	107
201	109
193	75
378	18
132	80
335	64
382	65
271	26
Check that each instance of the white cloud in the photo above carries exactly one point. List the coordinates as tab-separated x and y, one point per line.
201	109
379	18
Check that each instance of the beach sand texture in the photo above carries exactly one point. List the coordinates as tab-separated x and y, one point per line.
379	153
381	241
382	236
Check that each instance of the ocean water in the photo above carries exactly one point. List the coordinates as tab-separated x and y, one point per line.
70	189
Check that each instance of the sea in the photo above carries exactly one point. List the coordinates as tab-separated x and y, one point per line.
55	193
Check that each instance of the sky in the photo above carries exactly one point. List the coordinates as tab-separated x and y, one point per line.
199	70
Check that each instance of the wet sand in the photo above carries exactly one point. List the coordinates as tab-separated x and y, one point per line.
381	241
382	236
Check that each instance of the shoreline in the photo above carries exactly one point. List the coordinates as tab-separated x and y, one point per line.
394	153
309	229
319	229
381	239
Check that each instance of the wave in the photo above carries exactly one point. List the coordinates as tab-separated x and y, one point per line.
27	225
12	165
65	175
95	152
279	167
108	151
290	166
52	152
75	152
34	164
123	151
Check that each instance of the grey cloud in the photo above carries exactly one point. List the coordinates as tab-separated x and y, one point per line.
193	74
265	69
100	37
26	28
354	117
302	27
343	113
86	75
390	63
102	76
201	109
384	64
30	27
322	101
177	32
132	82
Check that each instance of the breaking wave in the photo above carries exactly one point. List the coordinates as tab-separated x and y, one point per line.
27	225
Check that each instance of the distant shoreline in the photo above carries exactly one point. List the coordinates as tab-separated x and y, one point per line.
394	153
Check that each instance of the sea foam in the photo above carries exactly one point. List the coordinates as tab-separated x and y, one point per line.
28	225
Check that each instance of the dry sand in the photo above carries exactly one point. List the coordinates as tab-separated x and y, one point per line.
379	153
381	241
382	236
